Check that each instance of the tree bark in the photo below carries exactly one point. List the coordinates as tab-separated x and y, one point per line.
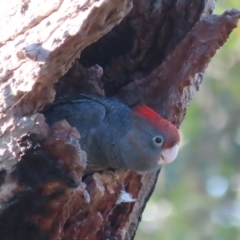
152	52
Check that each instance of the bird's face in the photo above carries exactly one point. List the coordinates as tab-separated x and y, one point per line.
148	148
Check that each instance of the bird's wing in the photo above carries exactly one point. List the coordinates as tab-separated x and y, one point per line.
82	112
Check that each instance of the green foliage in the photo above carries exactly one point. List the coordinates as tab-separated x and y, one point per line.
198	196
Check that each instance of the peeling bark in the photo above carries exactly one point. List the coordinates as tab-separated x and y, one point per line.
138	51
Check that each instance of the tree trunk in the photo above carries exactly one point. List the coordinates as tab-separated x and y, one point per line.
136	50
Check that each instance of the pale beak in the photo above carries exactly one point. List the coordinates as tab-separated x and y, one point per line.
168	155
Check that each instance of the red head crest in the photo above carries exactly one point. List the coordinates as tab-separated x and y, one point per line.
163	125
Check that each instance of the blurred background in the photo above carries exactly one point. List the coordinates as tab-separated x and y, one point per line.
198	196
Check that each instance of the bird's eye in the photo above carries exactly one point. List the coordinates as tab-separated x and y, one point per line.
158	141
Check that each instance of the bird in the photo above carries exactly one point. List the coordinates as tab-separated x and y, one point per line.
116	136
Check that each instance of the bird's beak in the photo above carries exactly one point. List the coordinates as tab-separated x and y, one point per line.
168	155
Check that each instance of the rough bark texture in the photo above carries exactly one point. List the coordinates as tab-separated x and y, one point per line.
139	51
